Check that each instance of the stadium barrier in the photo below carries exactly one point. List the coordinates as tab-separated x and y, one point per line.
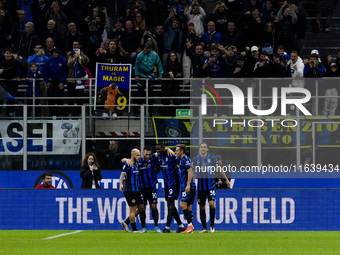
269	209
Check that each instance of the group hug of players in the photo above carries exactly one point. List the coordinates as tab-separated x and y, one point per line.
138	180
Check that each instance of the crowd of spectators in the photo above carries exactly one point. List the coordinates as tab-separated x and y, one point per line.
61	39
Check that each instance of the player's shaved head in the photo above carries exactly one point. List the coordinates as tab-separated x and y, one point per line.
135	155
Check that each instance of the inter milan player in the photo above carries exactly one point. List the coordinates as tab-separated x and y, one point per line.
131	190
168	164
187	184
206	185
148	181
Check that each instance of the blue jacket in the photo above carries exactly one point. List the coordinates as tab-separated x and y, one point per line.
39	60
169	36
145	64
215	38
56	69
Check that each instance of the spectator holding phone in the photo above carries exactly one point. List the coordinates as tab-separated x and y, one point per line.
90	172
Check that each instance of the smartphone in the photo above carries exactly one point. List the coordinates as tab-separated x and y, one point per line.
76	50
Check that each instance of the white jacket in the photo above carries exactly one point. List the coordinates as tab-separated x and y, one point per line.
296	74
197	20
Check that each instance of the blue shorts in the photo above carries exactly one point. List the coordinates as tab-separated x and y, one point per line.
171	192
188	197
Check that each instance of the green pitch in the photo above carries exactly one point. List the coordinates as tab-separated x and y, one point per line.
119	242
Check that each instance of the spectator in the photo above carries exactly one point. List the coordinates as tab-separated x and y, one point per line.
254	28
269	36
26	5
287	22
11	70
324	8
144	68
241	68
55	77
327	60
90	172
69	8
58	16
233	37
136	5
104	46
300	27
49	46
147	37
196	15
230	60
97	17
5	27
314	69
220	16
115	9
209	5
71	36
215	64
39	59
279	69
39	12
76	69
130	38
91	42
268	13
46	182
117	31
33	88
159	37
283	55
296	66
51	32
173	36
19	26
26	43
172	69
331	91
192	39
139	22
254	57
113	55
264	67
197	60
211	36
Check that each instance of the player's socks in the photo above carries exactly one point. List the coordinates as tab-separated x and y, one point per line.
192	215
134	227
187	216
142	217
155	216
203	218
176	216
169	217
212	216
181	226
127	221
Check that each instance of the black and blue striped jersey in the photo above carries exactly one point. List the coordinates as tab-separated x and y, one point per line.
131	178
169	168
203	172
147	173
184	165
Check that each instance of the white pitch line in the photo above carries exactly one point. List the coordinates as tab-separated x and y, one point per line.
66	234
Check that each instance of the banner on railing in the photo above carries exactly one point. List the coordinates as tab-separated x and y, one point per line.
113	86
235	210
48	137
242	132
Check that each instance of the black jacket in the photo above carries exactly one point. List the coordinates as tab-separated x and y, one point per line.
86	176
